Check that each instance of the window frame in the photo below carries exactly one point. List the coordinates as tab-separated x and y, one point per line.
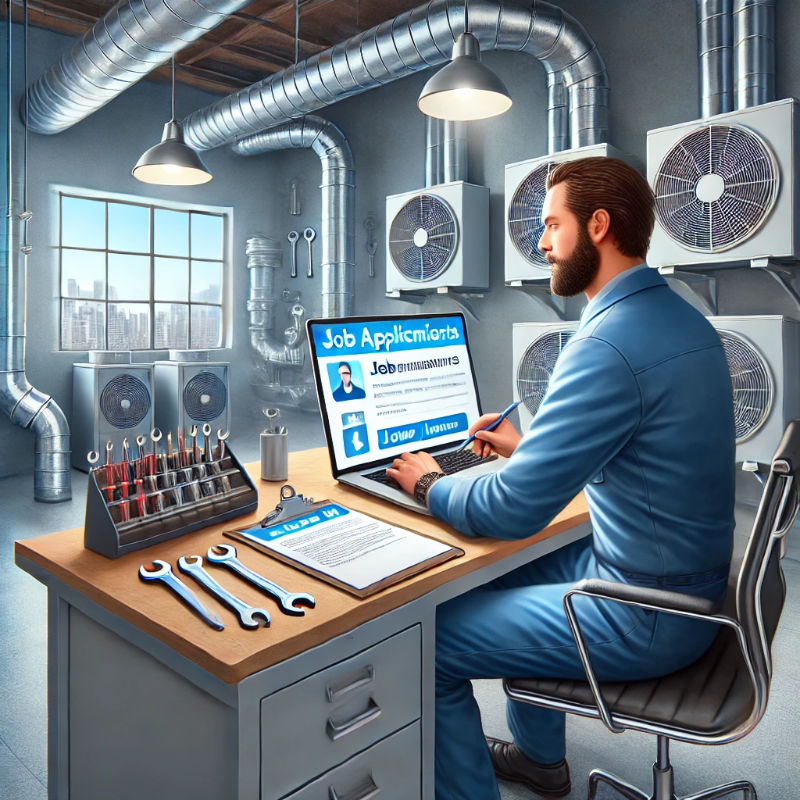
152	205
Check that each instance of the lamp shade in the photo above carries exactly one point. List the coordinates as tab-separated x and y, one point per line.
171	162
465	89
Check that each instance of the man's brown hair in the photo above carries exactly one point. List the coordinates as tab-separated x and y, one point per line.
594	183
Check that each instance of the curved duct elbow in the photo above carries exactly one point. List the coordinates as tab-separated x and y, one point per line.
337	224
415	40
130	41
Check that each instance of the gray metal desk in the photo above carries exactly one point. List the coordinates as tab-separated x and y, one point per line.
145	700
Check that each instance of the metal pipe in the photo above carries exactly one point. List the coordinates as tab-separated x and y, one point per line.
416	40
754	52
125	45
337	225
445	151
25	405
715	56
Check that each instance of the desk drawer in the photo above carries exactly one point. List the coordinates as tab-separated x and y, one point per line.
324	719
389	770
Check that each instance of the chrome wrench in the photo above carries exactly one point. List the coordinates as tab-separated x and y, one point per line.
192	565
293	237
289	601
163	572
309	234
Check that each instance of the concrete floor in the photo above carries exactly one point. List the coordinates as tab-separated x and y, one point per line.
768	756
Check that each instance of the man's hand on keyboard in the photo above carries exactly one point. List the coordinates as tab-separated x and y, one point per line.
408	468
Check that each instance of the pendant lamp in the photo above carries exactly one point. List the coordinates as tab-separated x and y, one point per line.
465	89
171	162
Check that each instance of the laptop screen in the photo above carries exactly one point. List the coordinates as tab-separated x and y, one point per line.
390	384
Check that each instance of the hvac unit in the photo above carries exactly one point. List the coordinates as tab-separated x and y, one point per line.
190	392
726	188
763	354
110	402
526	186
535	348
438	238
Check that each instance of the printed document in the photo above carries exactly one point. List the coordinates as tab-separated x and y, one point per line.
352	550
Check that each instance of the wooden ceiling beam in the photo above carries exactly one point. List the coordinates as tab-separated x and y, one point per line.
204	48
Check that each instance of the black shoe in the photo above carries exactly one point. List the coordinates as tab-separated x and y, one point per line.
511	764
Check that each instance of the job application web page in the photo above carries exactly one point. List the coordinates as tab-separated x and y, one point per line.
390	386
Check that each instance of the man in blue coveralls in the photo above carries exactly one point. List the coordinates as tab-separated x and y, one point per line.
639	414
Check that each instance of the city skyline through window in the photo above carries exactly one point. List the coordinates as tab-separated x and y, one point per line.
139	276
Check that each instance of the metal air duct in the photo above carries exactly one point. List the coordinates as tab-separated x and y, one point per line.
130	41
337	226
26	406
754	52
445	151
715	43
416	40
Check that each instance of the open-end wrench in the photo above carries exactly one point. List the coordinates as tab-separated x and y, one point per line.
192	565
163	572
289	601
221	437
195	449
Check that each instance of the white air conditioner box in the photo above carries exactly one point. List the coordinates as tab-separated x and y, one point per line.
726	188
526	186
535	347
192	393
763	354
438	238
110	402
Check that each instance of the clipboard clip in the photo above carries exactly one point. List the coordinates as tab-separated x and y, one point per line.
291	505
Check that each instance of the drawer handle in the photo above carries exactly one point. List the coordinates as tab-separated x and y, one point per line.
336	730
370	790
334	694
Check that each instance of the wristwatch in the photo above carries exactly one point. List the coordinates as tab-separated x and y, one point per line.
423	484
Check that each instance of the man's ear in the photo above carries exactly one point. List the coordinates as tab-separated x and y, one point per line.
599	225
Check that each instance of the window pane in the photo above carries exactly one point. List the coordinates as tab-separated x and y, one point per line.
128	227
206	236
128	326
128	277
206	327
172	326
206	282
83	274
171	232
171	276
83	325
83	222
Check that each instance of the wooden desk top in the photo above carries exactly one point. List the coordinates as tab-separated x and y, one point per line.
235	653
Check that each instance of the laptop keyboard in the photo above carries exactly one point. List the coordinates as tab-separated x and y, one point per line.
450	462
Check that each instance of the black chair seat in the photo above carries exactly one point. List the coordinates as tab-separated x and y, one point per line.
711	697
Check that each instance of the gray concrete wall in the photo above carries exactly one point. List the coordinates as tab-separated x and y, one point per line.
650	50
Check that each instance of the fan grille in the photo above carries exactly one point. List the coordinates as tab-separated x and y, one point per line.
753	388
204	397
536	366
423	238
124	401
716	187
525	215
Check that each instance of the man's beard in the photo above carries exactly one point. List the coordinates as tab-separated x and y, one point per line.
571	275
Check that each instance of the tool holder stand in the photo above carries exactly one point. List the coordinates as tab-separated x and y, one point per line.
192	497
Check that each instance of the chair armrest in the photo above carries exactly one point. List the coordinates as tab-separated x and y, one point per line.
684	605
645	597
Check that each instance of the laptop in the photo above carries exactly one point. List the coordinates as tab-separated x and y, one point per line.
391	384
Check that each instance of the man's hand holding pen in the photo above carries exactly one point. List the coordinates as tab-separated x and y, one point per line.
502	440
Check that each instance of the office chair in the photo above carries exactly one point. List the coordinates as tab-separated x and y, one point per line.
723	695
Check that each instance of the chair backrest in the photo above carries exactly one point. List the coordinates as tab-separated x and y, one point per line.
761	588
